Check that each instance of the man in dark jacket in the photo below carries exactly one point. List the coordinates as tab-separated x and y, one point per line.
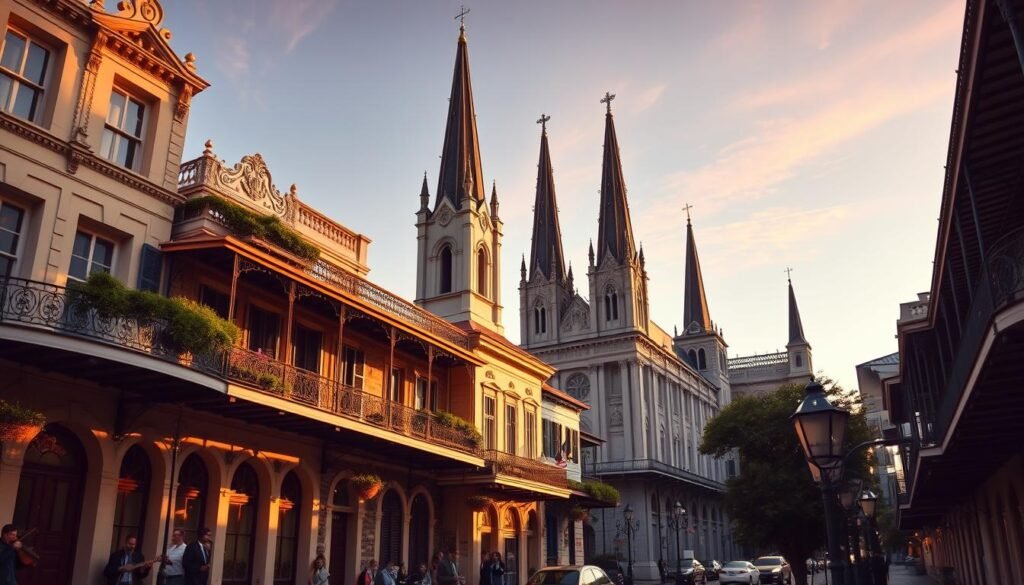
127	566
196	560
9	559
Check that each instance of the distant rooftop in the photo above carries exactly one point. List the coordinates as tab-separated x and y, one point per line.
758	361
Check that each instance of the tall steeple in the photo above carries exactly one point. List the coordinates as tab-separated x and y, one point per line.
614	232
461	174
696	316
546	256
796	328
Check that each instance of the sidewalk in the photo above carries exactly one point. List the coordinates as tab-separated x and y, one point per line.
898	575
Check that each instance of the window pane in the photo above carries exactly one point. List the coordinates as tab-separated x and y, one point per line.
14	48
129	149
6	266
78	268
8	242
10	218
107	144
82	243
25	103
121	152
5	91
35	65
114	115
103	255
133	118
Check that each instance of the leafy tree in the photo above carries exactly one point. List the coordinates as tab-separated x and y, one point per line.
774	504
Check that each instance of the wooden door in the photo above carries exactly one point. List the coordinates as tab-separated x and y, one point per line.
50	500
339	548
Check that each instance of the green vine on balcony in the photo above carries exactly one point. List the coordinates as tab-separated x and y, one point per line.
189	326
468	429
598	490
250	223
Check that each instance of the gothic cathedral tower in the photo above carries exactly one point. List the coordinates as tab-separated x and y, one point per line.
618	279
458	263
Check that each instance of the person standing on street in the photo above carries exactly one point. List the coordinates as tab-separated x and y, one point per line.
318	574
9	559
172	569
196	559
127	566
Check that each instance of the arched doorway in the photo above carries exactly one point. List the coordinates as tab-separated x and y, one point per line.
191	496
341	511
50	499
289	511
239	537
132	497
419	532
488	532
510	529
391	528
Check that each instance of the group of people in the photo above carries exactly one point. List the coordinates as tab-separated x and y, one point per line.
442	570
181	564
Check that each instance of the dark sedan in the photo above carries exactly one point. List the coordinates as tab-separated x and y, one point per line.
693	572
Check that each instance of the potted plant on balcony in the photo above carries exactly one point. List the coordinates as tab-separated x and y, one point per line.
18	423
366	485
478	503
577	513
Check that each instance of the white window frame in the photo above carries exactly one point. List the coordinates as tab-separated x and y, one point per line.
19	246
119	131
93	236
18	78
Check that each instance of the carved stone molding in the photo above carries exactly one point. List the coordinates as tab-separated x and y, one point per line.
251	178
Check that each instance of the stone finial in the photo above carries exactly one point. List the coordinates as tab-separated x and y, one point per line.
208	150
190	60
97	5
293	191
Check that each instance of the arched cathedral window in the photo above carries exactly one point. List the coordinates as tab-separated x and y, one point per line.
540	319
481	272
611	304
799	360
446	270
702	360
578	386
693	357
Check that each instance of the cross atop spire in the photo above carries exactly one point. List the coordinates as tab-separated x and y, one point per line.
687	209
546	255
544	123
796	327
695	302
607	99
614	230
789	274
461	16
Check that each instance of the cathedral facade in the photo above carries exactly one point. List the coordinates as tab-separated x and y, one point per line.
650	393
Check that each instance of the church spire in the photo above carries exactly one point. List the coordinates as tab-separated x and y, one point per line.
796	328
461	175
695	302
546	254
614	232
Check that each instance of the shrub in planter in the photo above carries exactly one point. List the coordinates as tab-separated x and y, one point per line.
196	328
466	428
578	513
366	485
478	503
250	223
18	423
601	491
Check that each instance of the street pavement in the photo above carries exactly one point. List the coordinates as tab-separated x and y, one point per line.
898	575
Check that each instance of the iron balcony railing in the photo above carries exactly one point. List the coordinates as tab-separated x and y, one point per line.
525	468
600	468
48	307
364	290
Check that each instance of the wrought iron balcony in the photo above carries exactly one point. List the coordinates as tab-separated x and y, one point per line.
604	468
47	307
504	463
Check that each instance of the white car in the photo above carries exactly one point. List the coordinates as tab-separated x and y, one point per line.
739	572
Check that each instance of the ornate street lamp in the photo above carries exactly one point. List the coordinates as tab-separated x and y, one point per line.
678	520
629	528
868	502
821	429
849	498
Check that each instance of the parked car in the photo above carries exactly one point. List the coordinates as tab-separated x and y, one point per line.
774	569
570	575
692	572
712	569
739	572
614	570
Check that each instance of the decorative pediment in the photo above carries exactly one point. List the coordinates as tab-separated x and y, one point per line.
251	179
576	317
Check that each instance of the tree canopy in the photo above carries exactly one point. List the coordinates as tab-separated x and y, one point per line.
773	502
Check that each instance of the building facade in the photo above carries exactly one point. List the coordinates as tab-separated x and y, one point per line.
648	401
330	376
959	397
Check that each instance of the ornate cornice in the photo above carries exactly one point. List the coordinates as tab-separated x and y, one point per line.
77	13
32	133
130	179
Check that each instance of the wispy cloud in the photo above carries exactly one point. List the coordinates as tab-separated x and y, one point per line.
234	58
297	19
647	98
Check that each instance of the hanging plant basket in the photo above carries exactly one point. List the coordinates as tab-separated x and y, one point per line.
577	513
366	486
478	503
19	424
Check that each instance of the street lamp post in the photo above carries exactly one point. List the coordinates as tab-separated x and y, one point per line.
821	428
678	520
849	499
629	526
868	504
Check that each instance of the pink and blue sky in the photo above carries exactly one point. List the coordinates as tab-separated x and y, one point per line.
805	134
